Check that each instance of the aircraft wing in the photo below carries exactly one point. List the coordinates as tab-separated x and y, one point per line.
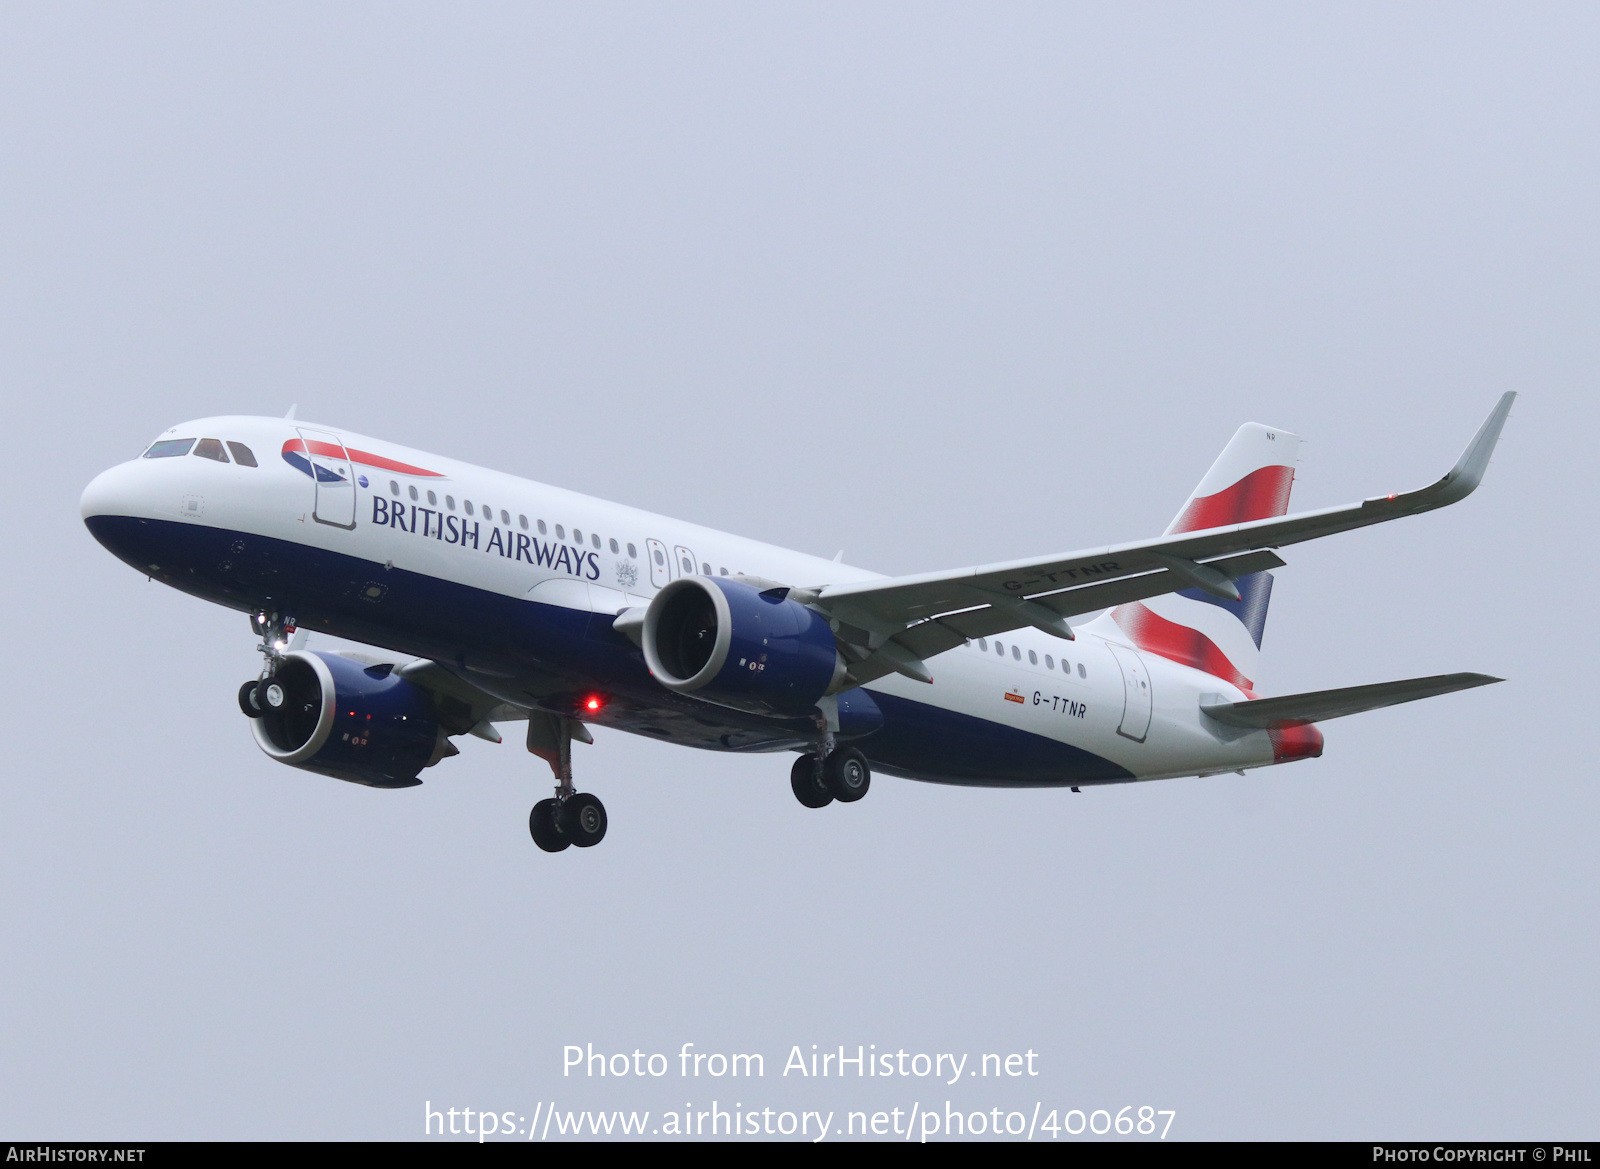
891	625
462	707
1296	710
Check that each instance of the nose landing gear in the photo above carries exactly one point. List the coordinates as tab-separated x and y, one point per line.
277	634
568	818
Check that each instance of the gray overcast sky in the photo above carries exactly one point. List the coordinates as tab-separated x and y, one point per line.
938	285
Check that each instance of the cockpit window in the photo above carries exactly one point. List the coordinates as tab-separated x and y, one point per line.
242	454
211	448
169	448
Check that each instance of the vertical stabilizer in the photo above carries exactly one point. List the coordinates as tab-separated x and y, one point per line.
1250	480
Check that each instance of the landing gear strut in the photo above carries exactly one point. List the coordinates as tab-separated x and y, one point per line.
569	817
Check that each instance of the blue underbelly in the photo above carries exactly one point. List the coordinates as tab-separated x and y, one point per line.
553	657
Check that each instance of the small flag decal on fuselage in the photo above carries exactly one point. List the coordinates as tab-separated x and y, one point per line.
1013	696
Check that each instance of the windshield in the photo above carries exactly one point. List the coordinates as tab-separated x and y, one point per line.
169	448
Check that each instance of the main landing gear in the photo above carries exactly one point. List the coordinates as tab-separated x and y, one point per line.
841	775
569	817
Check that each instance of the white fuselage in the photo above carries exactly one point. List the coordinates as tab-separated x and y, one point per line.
530	543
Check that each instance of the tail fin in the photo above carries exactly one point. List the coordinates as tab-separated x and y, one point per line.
1249	481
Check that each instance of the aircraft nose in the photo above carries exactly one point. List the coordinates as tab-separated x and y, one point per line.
111	493
118	510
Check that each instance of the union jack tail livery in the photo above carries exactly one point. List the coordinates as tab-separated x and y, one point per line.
1203	628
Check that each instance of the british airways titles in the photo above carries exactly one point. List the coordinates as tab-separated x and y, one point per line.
449	529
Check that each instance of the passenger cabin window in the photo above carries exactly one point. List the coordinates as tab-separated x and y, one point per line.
1033	658
169	448
613	545
560	533
1016	653
413	489
1049	662
394	488
211	448
505	518
523	520
466	506
577	536
633	553
242	454
1082	673
705	569
595	540
999	649
542	529
433	500
724	571
983	644
450	502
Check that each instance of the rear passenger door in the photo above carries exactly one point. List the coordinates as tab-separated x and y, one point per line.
1138	699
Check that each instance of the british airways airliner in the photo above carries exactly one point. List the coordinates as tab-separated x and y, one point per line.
486	599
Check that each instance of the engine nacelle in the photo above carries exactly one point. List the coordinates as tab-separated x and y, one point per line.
730	643
364	724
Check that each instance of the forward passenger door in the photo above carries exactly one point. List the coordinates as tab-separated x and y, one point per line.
334	479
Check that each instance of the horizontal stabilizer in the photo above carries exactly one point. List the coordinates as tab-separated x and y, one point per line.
1296	710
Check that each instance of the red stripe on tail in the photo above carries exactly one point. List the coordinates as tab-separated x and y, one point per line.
1260	495
1189	647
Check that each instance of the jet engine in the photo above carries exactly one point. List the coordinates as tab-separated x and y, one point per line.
732	644
365	724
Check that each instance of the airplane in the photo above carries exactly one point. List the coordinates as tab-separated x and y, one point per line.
485	599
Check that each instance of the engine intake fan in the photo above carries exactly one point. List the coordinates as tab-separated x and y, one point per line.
338	718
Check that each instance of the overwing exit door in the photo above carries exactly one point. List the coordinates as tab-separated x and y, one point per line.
660	571
334	479
1136	693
